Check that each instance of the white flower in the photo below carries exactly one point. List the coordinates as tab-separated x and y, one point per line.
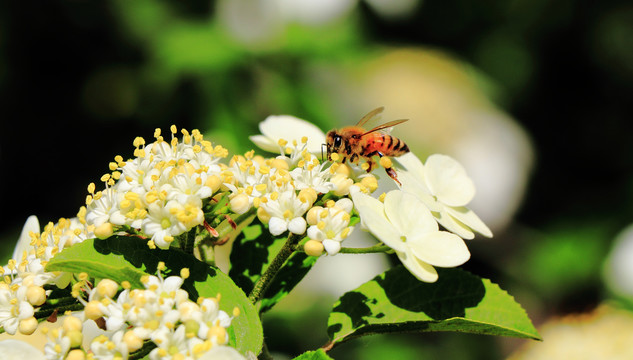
289	128
286	212
99	210
444	187
404	224
330	225
14	307
310	174
174	218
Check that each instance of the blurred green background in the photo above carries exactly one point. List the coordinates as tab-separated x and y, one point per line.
534	97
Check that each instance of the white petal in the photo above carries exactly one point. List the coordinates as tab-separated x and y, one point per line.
331	246
440	248
410	164
24	242
277	226
408	214
315	234
291	128
373	215
222	352
447	179
264	143
172	283
17	349
470	219
453	225
421	270
345	204
297	225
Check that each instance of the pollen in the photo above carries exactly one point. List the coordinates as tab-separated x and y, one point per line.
385	162
365	166
334	156
304	139
282	142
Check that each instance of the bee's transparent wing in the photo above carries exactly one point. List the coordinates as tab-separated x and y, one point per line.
370	115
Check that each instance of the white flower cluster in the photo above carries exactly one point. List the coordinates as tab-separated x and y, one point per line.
160	190
22	288
161	313
284	191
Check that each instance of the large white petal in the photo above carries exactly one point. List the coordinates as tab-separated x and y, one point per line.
453	225
291	128
421	270
265	143
470	219
408	214
439	248
447	180
373	216
410	164
24	242
17	349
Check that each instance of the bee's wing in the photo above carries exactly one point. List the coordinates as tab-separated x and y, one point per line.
370	115
386	127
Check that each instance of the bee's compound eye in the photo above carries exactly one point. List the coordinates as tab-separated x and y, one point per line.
337	141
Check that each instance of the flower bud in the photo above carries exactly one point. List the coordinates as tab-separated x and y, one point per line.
71	323
93	310
28	326
36	295
214	182
313	248
308	195
107	288
133	341
76	354
104	230
240	203
262	215
313	215
75	338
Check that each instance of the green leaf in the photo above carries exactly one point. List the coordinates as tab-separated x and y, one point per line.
313	355
116	258
129	258
395	301
253	250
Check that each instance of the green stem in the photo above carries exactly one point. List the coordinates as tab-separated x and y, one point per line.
368	250
225	227
269	275
379	248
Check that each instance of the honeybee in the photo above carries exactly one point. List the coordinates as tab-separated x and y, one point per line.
354	143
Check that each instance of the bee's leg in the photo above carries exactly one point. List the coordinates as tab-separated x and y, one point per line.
392	174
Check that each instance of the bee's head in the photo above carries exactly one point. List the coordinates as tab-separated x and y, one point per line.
334	142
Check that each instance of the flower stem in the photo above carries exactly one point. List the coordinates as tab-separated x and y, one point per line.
269	275
378	248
